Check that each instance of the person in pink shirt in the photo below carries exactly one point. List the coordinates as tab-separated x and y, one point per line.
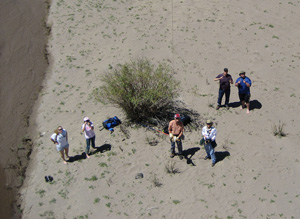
89	134
176	134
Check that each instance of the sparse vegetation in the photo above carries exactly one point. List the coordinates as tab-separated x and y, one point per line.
97	200
176	202
155	181
278	130
171	168
141	89
93	178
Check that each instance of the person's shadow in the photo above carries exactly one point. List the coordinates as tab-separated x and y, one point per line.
77	157
101	149
254	104
189	153
221	155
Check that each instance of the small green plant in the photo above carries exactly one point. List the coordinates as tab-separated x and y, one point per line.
176	202
278	130
102	164
93	178
63	193
52	201
209	185
97	200
111	153
48	214
133	150
41	192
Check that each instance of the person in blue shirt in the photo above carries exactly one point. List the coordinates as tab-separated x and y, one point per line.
244	83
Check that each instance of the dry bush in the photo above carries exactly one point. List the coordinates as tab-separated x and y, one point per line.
171	168
278	130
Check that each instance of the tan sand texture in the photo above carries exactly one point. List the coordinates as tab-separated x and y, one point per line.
257	175
22	69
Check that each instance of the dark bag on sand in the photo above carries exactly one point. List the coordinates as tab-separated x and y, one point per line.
111	122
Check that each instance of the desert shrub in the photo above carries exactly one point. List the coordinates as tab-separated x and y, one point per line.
278	130
155	181
171	168
141	89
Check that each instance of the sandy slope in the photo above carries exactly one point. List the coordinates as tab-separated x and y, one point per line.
260	178
22	68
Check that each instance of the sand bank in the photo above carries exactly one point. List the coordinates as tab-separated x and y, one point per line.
22	69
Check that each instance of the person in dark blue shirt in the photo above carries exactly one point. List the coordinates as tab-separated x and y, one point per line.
244	83
225	80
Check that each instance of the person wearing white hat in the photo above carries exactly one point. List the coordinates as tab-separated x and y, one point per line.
89	134
209	133
176	134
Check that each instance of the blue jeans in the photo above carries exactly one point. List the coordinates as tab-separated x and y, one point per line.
221	94
88	143
179	146
210	151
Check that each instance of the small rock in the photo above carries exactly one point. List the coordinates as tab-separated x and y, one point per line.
139	176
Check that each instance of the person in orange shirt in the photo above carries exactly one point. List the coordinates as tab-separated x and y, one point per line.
176	135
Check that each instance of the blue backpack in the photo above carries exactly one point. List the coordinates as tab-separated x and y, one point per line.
111	122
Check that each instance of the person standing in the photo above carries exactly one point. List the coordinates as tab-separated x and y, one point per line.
209	134
89	134
225	80
244	83
60	139
176	135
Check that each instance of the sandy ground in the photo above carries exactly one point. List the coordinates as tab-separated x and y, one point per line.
257	175
22	69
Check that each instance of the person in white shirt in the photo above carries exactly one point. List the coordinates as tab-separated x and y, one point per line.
89	134
60	139
209	134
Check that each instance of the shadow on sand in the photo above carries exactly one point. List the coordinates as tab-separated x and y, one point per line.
189	153
101	149
254	104
221	155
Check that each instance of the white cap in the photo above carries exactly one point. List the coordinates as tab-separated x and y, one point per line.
86	119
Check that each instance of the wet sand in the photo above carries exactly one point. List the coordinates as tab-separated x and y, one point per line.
22	70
